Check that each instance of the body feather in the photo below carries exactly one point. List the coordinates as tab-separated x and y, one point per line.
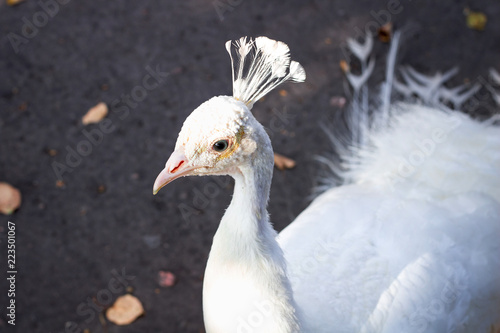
405	254
408	243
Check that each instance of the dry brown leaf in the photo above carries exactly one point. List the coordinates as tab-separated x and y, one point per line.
95	114
283	162
125	310
475	20
385	32
52	152
166	279
13	2
10	198
23	106
283	92
344	66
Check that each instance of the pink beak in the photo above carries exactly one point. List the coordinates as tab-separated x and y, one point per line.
176	167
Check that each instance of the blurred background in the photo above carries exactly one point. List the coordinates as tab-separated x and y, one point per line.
88	229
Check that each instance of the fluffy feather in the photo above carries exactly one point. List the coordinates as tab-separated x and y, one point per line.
362	258
411	245
259	65
438	152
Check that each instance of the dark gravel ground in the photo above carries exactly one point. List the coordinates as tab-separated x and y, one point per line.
72	240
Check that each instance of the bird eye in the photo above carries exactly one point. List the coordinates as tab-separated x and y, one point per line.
221	145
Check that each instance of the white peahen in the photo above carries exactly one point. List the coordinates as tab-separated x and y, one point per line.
410	243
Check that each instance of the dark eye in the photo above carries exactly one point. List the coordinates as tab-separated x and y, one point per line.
221	145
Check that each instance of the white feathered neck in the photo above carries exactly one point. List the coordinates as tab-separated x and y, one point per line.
246	287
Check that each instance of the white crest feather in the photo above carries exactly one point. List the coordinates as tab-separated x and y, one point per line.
260	65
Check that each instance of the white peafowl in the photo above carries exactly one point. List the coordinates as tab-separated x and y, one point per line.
409	243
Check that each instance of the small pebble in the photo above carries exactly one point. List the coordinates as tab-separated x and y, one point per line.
166	279
101	189
338	101
95	114
125	310
10	198
52	152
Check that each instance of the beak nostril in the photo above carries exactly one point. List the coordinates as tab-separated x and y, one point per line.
176	166
174	169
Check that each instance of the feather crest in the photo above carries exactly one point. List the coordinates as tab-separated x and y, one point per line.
260	65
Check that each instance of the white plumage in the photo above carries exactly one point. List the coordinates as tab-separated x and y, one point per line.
409	243
407	247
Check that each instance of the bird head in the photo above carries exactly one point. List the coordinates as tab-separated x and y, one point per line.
222	134
218	137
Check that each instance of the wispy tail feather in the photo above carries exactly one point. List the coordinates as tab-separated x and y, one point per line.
386	87
365	149
495	76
